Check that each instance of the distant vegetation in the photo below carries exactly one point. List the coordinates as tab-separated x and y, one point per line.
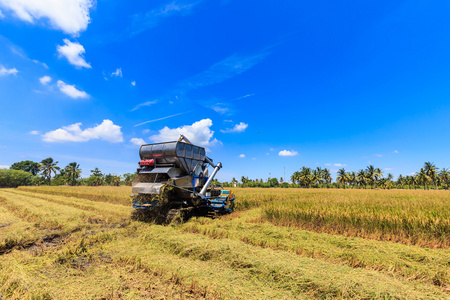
429	176
47	172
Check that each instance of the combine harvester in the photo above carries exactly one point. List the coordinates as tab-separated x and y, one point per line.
172	184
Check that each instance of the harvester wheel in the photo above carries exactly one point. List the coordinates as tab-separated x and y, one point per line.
139	215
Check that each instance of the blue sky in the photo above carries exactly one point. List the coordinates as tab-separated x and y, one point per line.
264	86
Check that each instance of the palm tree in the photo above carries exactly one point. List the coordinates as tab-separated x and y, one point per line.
342	177
73	171
445	177
305	176
327	176
361	177
423	178
351	176
378	174
431	171
370	170
47	166
401	180
295	178
318	175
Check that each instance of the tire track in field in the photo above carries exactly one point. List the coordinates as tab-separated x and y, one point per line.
80	203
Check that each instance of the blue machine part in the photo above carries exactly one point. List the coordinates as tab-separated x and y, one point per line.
221	204
147	205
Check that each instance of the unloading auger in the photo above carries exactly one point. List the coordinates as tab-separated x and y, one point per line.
172	183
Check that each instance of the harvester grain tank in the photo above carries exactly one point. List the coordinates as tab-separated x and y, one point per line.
172	182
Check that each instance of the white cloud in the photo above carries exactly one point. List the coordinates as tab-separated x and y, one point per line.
70	16
45	79
34	132
339	165
336	165
73	52
242	156
395	151
137	141
199	133
388	169
4	167
148	103
117	73
378	155
133	83
71	91
105	131
4	71
237	128
1	15
287	153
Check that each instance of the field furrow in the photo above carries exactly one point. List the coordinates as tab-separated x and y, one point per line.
277	269
411	262
107	194
81	203
79	243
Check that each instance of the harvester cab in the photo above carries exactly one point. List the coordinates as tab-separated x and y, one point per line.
173	183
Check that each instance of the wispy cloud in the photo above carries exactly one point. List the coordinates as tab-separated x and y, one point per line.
243	97
220	108
150	19
163	118
242	156
19	52
223	70
117	73
148	103
4	71
395	151
378	155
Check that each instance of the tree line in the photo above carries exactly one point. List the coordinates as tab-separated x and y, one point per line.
370	177
47	172
429	176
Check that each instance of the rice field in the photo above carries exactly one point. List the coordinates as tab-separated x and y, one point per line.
79	243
